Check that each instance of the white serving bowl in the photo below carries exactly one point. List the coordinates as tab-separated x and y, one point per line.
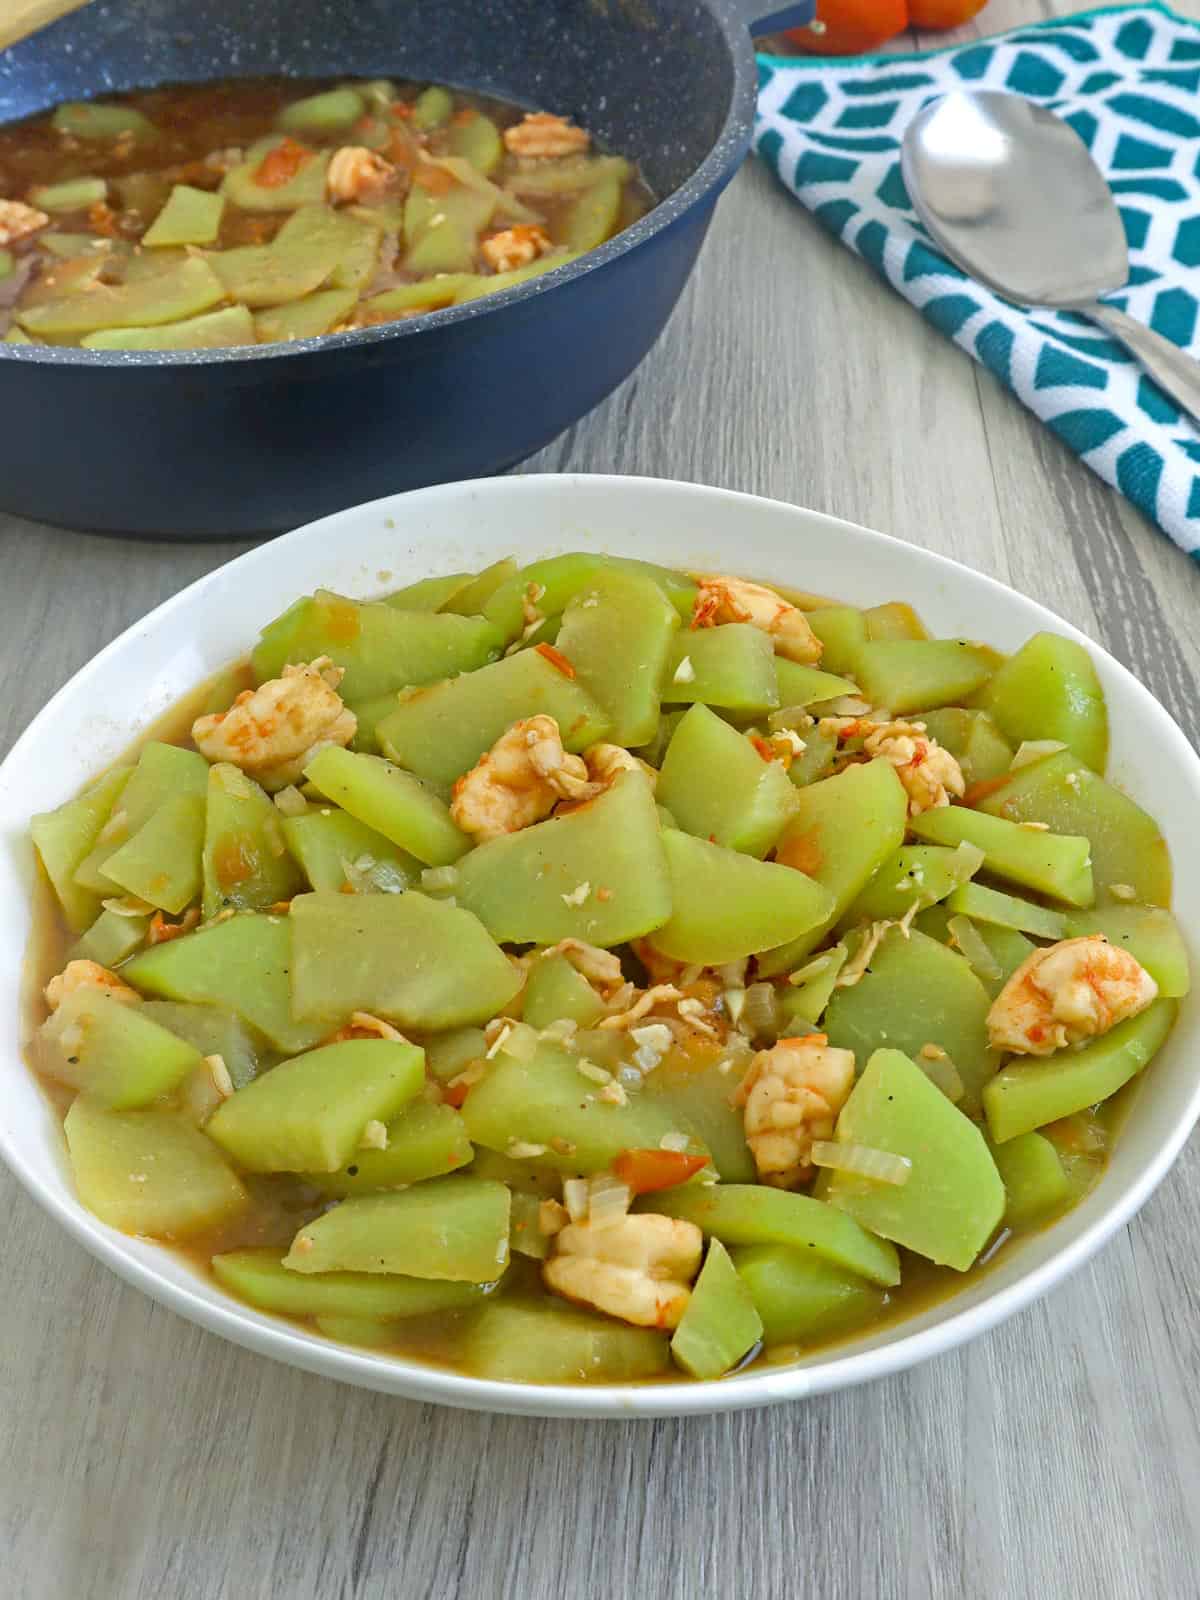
371	548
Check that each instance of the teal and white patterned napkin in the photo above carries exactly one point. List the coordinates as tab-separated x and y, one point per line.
1128	82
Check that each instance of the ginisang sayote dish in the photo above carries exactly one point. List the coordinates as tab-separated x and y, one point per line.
242	212
593	972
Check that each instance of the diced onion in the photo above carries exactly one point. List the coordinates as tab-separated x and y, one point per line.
1031	750
811	969
881	1166
564	1030
970	941
219	1073
942	1072
653	1040
439	880
589	1069
607	1047
789	717
520	1042
966	860
290	802
497	1041
674	1141
645	1059
761	1013
358	880
576	1198
127	906
735	1004
843	705
608	1199
523	1150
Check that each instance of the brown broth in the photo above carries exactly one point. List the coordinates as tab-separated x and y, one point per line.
202	130
281	1204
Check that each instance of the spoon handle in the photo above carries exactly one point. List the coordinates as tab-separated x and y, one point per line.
20	18
1175	373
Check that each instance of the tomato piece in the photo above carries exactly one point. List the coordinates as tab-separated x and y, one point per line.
934	14
980	791
644	1171
556	659
435	180
280	166
849	27
103	219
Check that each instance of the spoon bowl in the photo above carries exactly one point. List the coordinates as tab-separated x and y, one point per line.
1010	192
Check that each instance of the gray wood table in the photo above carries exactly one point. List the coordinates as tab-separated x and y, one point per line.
1059	1456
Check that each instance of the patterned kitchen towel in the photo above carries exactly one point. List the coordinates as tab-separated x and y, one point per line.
1128	81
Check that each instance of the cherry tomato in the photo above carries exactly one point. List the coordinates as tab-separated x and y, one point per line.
935	14
850	27
644	1171
280	166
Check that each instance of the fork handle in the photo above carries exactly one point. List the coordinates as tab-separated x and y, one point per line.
1176	373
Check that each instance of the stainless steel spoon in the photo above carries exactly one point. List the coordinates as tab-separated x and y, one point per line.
1009	192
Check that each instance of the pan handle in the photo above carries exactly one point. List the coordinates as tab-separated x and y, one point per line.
759	20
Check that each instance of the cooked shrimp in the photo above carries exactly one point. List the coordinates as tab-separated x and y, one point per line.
545	136
515	247
161	931
725	599
519	781
356	173
1070	991
88	975
929	773
605	762
792	1095
273	732
637	1268
18	221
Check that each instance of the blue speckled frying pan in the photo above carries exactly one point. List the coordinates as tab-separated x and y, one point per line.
219	443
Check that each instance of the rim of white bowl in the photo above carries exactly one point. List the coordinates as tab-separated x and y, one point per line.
414	1380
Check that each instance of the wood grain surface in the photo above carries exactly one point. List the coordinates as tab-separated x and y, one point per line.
142	1459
